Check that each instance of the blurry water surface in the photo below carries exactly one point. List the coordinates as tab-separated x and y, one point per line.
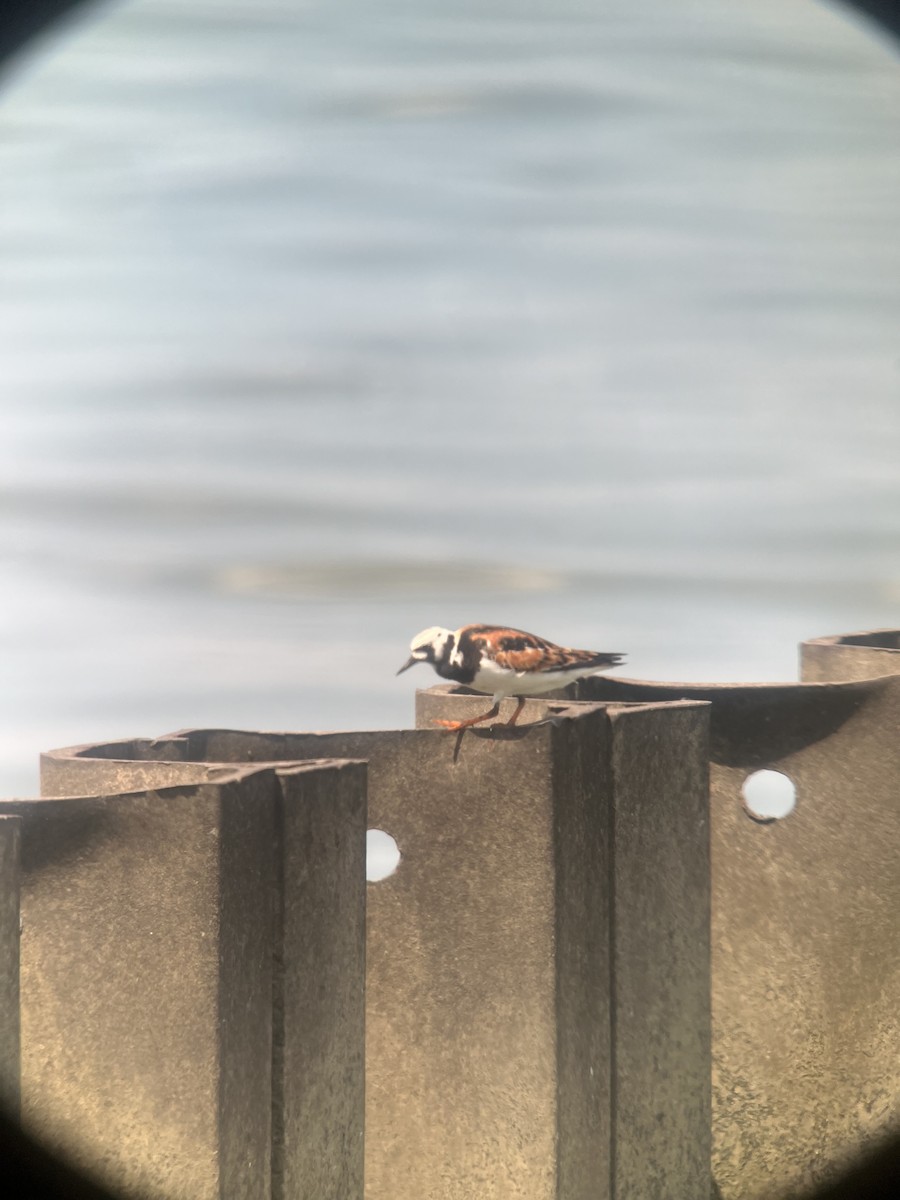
320	324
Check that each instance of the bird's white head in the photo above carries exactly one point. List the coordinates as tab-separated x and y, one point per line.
427	646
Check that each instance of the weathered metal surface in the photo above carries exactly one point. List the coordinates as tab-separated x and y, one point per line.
122	766
315	1063
496	1046
806	970
146	984
10	852
319	1082
656	853
850	656
490	925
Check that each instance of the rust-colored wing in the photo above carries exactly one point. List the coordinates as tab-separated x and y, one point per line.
520	651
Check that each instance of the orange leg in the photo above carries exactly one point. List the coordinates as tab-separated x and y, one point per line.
512	720
471	720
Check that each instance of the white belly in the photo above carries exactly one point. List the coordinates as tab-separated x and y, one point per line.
501	681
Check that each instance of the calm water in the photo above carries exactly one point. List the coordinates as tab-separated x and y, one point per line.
323	324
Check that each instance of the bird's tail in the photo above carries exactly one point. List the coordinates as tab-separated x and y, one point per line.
593	658
609	660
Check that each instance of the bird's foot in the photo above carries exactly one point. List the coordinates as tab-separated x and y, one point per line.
455	726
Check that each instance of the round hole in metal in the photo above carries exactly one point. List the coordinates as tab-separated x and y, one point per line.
768	795
382	855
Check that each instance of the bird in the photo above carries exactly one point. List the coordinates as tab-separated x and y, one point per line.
502	662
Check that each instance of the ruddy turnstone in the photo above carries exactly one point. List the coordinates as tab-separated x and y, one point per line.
502	662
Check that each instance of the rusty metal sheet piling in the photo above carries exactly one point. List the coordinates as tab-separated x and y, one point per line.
146	984
806	952
655	846
170	1046
538	979
850	656
492	1034
319	1093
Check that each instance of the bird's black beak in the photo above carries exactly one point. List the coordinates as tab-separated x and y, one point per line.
410	662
